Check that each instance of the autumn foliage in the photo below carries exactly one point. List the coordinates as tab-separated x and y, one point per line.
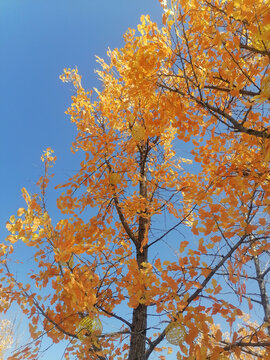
163	242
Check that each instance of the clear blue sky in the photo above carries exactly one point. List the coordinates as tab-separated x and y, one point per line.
38	39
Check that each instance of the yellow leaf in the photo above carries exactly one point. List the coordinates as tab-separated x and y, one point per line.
214	282
12	239
114	178
183	245
265	91
267	150
20	211
12	219
138	132
262	221
26	196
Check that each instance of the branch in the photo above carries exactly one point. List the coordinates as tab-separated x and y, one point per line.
119	210
114	315
265	272
42	311
196	293
254	50
236	125
124	222
172	228
263	291
253	344
225	89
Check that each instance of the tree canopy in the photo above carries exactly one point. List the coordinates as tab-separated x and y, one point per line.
174	255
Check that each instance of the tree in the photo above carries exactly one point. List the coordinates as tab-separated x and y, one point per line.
6	330
202	80
5	336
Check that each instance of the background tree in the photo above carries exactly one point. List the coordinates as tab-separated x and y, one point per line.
202	80
6	330
5	336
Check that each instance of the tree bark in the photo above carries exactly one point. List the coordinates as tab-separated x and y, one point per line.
139	318
139	322
263	292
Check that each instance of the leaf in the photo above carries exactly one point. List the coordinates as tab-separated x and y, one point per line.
12	219
214	282
138	132
183	245
20	211
267	150
115	178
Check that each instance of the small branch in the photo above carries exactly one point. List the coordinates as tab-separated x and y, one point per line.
196	293
225	89
171	229
114	315
124	222
254	50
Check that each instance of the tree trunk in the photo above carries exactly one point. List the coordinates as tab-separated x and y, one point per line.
138	336
139	318
263	292
139	322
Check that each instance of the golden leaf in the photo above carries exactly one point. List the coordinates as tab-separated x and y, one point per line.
267	150
114	178
138	132
12	219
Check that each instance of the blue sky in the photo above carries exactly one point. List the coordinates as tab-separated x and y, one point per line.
38	40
